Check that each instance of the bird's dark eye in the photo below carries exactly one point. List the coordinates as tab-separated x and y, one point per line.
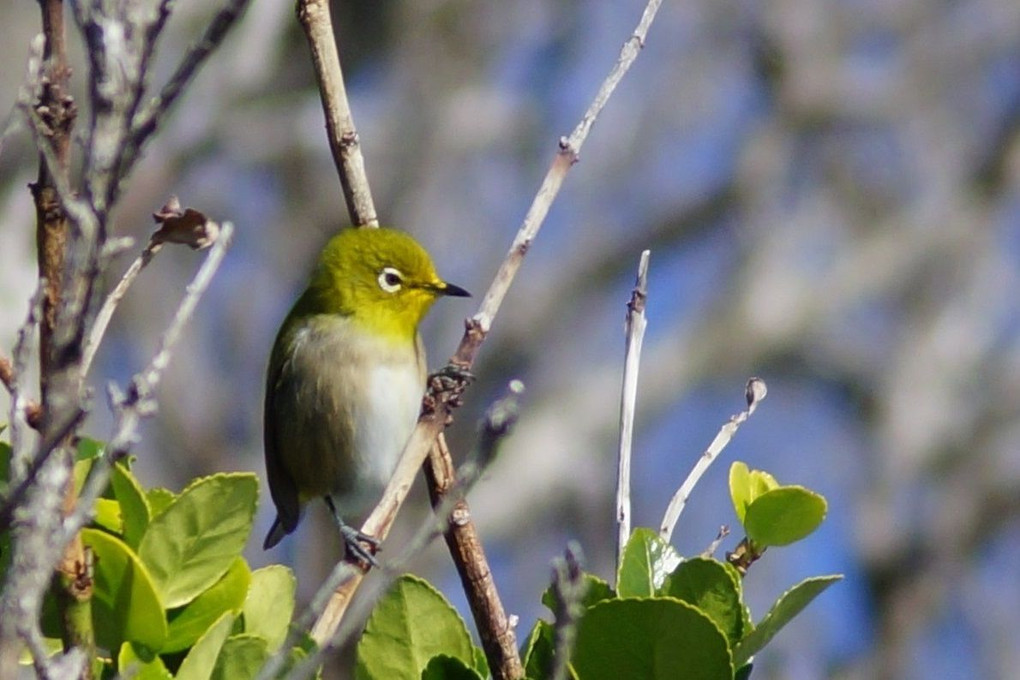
390	279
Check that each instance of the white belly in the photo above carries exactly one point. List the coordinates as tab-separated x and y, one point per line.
391	411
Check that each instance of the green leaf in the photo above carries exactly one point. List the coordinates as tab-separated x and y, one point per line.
5	462
240	658
108	515
537	652
709	586
481	664
784	515
134	506
595	591
650	638
412	623
740	488
80	472
647	560
125	603
789	604
201	660
443	667
226	595
159	500
131	664
746	485
88	449
192	543
269	604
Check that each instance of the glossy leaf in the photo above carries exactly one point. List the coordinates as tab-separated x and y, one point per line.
596	590
647	560
443	667
650	638
134	506
190	622
412	623
140	667
201	660
784	515
192	543
240	658
709	586
108	515
746	485
159	499
537	652
269	604
790	603
125	604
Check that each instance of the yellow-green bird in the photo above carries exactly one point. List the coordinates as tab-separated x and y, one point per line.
346	378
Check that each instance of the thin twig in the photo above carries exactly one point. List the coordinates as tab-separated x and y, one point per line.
754	393
635	330
430	424
343	136
147	119
31	409
102	321
20	458
139	401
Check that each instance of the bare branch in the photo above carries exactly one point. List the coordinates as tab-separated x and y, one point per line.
635	330
343	136
755	392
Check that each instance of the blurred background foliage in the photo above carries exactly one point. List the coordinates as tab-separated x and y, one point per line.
831	193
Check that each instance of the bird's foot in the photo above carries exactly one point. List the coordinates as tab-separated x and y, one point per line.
359	546
447	386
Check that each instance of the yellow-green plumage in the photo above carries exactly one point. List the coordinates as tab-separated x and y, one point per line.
347	373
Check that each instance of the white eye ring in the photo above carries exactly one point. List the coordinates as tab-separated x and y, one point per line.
390	279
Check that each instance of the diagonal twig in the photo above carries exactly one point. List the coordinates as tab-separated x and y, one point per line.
755	392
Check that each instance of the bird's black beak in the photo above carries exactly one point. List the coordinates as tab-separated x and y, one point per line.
452	290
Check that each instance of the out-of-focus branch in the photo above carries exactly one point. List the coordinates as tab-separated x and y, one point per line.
568	590
431	423
148	118
33	411
636	324
343	136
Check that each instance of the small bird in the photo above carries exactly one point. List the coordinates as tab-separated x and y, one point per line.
346	378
